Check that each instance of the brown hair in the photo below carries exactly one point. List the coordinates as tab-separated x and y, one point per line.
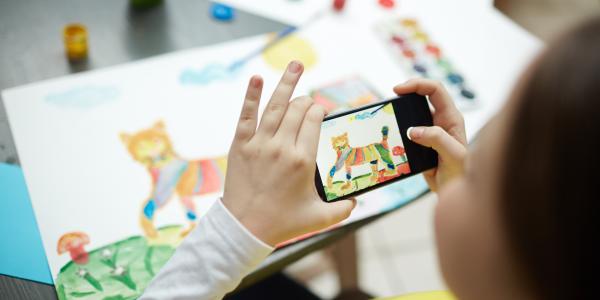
550	181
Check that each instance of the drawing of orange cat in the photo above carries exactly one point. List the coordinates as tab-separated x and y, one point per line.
348	156
171	174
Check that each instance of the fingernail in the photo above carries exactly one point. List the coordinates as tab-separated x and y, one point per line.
414	133
295	66
255	81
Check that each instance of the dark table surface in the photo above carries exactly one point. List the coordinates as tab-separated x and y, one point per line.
32	50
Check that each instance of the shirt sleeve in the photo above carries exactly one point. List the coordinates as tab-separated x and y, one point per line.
211	261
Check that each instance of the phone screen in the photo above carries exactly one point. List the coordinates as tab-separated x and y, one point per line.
366	147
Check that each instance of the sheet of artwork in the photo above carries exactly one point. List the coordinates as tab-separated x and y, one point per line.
121	162
360	150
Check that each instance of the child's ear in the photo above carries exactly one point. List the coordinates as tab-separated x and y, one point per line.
125	138
159	125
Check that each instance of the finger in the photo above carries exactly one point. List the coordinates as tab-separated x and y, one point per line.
430	179
279	101
438	96
335	212
449	149
446	114
249	114
295	114
308	136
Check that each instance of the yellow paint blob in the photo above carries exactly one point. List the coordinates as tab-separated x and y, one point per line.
290	48
389	109
436	295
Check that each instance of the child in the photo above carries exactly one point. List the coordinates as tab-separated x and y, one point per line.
516	221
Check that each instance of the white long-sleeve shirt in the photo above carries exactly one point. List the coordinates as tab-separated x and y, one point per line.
211	261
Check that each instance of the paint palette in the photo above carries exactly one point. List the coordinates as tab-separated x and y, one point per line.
420	56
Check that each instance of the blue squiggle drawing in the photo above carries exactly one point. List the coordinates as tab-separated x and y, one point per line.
211	72
328	124
83	97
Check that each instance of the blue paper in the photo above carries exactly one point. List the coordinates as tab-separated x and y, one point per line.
22	254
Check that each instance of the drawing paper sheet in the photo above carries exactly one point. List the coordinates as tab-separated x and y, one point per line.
290	12
299	12
82	178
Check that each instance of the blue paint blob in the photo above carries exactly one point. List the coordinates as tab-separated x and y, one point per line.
419	68
83	97
365	115
211	72
332	172
391	166
191	215
328	124
149	209
455	78
348	176
222	12
467	94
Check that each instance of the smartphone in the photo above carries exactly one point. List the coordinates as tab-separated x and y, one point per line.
366	148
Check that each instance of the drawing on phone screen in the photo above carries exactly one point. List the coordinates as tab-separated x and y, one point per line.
360	150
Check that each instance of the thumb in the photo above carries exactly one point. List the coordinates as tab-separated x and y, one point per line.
338	211
437	138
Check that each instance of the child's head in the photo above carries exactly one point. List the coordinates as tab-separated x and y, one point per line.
524	218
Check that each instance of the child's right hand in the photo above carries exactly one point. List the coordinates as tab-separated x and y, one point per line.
269	186
447	136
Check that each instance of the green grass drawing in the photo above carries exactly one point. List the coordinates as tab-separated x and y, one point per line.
358	183
118	271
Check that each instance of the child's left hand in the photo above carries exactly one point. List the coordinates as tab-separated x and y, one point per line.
270	185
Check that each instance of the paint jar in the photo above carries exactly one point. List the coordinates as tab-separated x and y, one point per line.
75	39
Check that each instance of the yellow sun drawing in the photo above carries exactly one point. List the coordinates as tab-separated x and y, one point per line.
290	48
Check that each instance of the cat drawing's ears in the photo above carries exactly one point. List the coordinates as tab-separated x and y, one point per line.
125	138
159	125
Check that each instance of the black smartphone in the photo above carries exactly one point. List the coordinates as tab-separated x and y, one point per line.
366	148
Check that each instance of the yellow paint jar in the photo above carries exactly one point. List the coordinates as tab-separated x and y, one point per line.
75	39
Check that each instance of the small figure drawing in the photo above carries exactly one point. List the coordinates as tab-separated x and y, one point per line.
172	174
348	156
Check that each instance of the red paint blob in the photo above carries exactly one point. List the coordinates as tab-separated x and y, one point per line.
398	151
79	255
403	169
408	53
338	5
434	50
386	3
398	40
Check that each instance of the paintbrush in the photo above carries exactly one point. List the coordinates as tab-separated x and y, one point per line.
379	108
278	37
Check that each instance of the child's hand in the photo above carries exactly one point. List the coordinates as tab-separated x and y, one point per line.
447	136
269	185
